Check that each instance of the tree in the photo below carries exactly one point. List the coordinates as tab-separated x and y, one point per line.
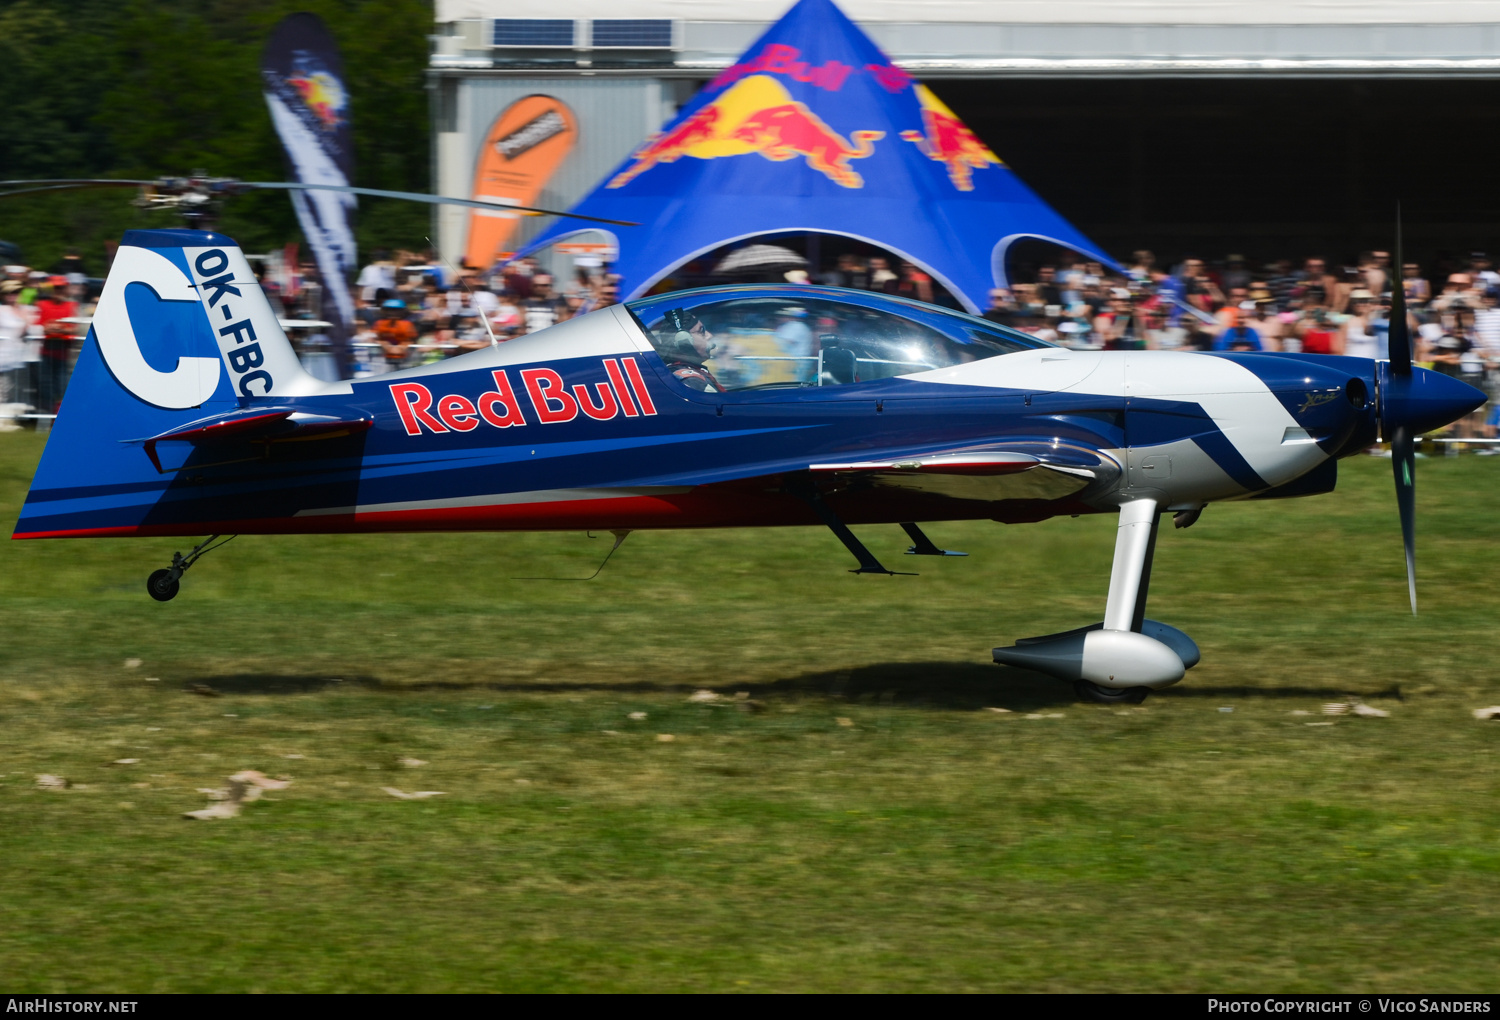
155	87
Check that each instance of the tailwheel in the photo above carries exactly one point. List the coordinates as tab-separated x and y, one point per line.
162	585
1087	691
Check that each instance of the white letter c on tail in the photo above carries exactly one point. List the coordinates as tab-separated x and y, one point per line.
194	379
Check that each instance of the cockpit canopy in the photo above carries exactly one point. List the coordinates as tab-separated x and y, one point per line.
753	338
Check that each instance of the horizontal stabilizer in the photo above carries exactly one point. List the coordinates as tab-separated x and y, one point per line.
268	425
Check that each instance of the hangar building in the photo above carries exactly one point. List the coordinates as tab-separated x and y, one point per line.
1185	126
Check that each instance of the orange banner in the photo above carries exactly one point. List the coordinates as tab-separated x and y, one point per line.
525	145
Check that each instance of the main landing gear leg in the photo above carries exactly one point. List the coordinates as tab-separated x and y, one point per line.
1127	656
162	585
805	490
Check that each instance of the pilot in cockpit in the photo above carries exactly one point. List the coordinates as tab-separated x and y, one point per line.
685	344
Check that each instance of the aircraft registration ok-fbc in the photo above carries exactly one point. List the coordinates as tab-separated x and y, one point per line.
738	406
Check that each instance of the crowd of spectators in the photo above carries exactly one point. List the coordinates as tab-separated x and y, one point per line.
1314	308
412	310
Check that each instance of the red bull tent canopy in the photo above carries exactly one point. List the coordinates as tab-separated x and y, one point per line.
815	130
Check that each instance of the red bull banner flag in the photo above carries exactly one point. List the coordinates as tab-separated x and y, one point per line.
814	129
303	78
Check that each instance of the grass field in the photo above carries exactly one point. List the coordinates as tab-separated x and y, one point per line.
869	827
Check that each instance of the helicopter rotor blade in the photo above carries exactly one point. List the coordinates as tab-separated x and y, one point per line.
49	187
76	182
229	186
416	196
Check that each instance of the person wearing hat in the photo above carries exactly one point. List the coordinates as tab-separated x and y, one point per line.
395	333
685	344
792	332
1118	326
30	290
1264	319
53	309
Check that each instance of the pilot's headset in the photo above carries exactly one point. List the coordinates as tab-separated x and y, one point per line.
680	321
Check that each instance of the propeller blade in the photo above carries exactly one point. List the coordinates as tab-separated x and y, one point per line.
1404	465
416	196
1400	334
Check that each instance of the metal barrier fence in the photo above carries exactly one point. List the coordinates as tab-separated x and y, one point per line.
20	402
30	392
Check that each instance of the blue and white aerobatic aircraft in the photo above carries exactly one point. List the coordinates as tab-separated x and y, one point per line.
736	406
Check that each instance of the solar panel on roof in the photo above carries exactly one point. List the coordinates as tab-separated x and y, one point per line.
634	33
533	32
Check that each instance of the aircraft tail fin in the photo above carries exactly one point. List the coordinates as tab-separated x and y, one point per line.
209	269
182	332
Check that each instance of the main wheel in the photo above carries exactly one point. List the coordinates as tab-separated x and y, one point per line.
1087	691
162	586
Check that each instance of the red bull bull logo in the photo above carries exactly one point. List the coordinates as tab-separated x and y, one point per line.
949	141
757	115
323	94
672	145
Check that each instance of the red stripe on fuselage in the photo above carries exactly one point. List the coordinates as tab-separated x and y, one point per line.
727	506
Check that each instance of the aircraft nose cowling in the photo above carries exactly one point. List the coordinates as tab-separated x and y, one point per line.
1425	400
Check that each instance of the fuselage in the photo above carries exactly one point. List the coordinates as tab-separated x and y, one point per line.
584	426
